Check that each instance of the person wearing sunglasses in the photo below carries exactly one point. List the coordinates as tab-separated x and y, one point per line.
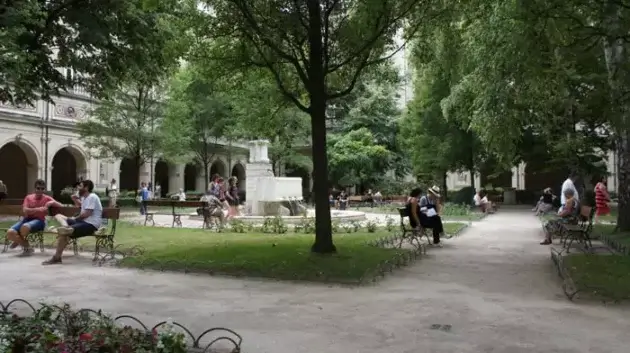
35	208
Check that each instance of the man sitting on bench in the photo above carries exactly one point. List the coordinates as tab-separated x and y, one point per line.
35	208
85	224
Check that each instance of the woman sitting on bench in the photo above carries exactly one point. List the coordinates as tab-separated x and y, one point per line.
423	212
568	215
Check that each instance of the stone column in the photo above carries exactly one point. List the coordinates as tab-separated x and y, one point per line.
175	178
145	172
478	185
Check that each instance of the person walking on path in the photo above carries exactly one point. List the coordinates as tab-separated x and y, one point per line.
143	195
602	198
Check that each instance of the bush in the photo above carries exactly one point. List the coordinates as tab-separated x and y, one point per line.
461	196
63	330
528	197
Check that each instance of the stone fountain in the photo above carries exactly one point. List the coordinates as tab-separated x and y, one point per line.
268	195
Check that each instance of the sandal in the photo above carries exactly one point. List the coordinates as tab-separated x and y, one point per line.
53	261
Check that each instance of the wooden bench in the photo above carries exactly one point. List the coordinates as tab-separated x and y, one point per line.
409	234
104	236
580	232
356	200
176	210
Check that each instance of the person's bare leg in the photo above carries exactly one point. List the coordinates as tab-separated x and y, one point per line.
14	238
24	232
62	220
62	242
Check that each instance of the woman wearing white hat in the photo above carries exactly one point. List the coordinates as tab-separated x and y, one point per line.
429	217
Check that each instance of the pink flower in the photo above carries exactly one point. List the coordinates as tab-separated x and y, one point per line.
85	337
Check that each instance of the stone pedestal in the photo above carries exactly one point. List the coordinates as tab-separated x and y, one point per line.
259	172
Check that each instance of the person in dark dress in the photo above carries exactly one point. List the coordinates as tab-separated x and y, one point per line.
429	213
545	204
413	210
232	196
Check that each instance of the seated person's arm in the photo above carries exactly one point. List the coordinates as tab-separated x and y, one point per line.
76	199
87	210
29	211
415	212
568	209
53	203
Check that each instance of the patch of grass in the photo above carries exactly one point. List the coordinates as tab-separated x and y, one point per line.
607	275
622	238
281	256
451	212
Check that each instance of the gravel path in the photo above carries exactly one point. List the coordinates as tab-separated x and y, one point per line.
494	285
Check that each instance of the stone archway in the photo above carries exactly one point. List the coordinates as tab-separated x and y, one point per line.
18	168
68	165
191	172
238	171
218	167
129	175
162	177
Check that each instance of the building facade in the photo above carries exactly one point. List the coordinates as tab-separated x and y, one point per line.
41	142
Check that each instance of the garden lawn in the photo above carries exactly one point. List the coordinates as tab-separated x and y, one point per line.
281	256
456	212
601	275
622	238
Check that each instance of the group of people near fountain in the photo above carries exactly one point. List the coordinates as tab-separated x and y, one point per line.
223	198
424	212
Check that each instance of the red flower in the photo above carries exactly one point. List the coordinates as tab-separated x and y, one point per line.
85	336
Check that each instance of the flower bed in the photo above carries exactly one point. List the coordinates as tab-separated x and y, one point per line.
63	330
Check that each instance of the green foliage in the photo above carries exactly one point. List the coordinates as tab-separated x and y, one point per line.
40	37
356	158
125	125
197	116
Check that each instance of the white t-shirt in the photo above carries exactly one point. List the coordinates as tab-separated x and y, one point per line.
568	185
93	202
477	200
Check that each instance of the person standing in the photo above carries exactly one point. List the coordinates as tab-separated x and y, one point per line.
568	185
232	196
602	199
3	190
143	196
112	193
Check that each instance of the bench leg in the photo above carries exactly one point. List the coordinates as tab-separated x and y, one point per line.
177	221
36	239
106	243
75	246
149	218
7	243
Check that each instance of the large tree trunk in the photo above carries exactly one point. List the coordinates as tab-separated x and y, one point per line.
317	94
616	57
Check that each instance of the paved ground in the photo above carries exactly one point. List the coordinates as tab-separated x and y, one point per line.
495	285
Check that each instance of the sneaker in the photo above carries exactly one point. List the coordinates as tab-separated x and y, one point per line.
546	242
437	245
13	245
26	253
53	261
52	229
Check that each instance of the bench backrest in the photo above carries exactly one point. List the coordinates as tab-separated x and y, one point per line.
11	210
174	203
70	211
12	202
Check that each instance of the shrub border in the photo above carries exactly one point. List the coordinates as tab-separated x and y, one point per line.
613	244
235	340
568	284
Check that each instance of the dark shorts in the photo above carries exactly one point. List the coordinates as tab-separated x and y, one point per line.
81	228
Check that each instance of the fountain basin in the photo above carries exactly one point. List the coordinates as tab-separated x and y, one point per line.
337	216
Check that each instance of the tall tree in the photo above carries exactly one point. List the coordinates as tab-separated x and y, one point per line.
125	125
316	51
197	116
98	40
